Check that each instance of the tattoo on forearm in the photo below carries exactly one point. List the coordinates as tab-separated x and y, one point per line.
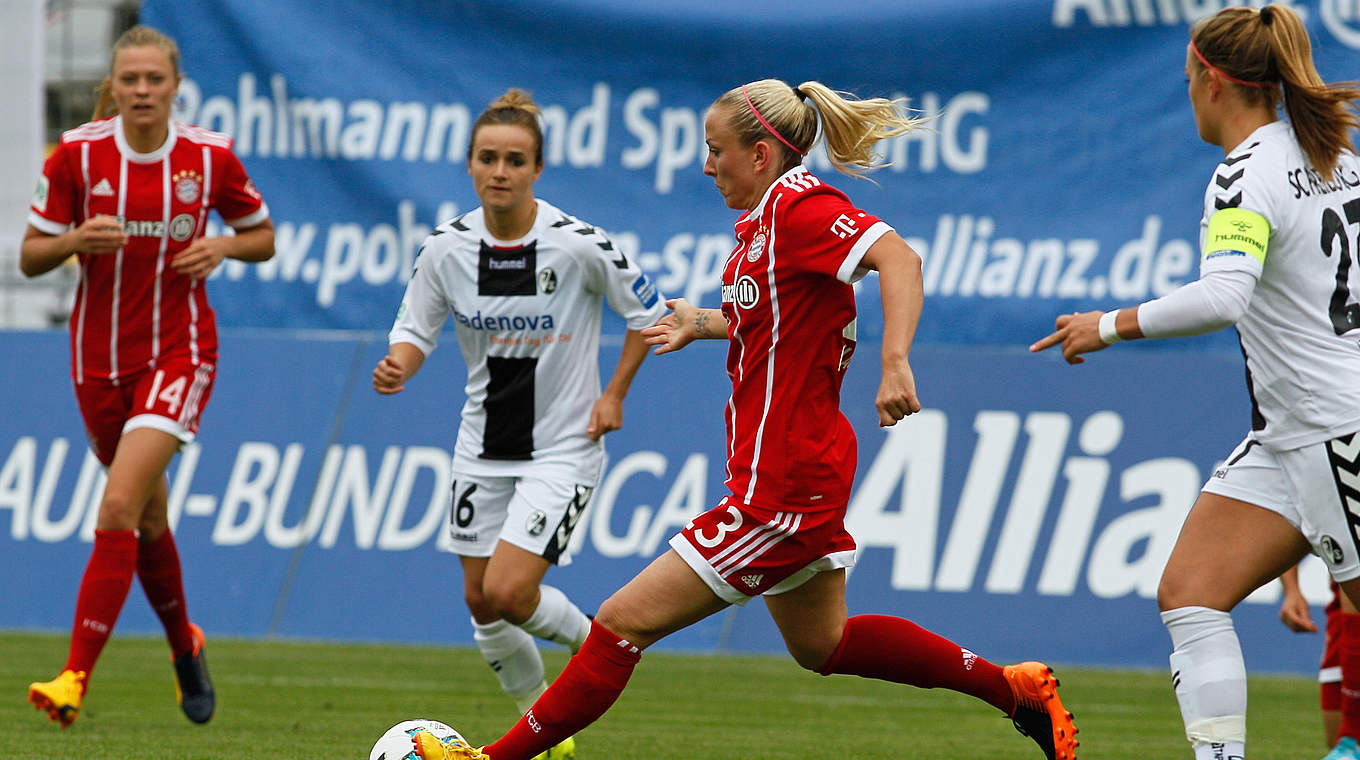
701	324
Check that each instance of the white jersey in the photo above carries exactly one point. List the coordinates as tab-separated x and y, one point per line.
1301	330
527	314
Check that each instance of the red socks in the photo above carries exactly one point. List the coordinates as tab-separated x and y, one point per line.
873	646
1350	675
103	589
898	650
589	684
158	570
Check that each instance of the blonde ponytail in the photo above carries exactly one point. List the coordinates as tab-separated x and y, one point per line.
850	127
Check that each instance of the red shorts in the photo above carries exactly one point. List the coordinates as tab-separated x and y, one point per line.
1329	671
169	397
742	551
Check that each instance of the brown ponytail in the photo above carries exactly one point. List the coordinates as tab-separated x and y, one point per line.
1271	47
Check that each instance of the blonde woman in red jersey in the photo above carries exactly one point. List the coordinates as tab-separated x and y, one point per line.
129	196
788	313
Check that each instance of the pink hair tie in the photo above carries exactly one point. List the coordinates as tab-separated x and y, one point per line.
766	124
1195	48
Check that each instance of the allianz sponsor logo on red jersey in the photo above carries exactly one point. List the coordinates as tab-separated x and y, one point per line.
745	293
142	228
181	227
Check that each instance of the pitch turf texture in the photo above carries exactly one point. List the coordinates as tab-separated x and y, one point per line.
284	699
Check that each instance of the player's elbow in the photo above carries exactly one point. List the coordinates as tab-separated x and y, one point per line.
1228	308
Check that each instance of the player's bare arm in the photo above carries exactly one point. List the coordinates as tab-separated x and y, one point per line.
703	324
901	291
685	324
41	252
402	362
607	414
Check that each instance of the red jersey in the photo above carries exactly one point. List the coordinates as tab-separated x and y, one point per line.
132	307
790	309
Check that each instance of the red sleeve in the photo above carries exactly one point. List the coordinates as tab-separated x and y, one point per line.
827	230
236	199
56	201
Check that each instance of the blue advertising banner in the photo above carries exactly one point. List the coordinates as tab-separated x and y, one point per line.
1026	512
1061	169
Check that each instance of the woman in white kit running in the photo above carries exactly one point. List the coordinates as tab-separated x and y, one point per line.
525	284
1281	233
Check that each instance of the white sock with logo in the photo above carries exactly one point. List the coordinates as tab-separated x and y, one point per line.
557	619
513	656
1210	679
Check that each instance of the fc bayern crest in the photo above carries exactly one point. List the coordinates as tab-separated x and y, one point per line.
757	248
188	187
547	280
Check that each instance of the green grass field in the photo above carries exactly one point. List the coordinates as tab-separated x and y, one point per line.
284	699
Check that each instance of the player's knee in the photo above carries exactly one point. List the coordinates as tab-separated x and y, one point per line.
477	604
622	621
1171	593
510	601
150	527
810	655
118	512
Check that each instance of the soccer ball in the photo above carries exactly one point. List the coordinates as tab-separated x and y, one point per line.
395	743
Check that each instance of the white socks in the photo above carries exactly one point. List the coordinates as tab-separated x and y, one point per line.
1210	680
557	619
512	653
513	656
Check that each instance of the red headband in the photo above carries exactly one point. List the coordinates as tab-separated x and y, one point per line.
766	124
1194	48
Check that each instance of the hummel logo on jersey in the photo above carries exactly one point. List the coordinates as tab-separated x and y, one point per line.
102	188
512	272
628	645
753	579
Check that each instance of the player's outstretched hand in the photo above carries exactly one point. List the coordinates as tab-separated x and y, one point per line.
1079	333
389	377
675	330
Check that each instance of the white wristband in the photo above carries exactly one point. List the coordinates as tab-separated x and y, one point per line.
1108	333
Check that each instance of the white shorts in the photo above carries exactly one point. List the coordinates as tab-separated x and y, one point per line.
1315	487
536	515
